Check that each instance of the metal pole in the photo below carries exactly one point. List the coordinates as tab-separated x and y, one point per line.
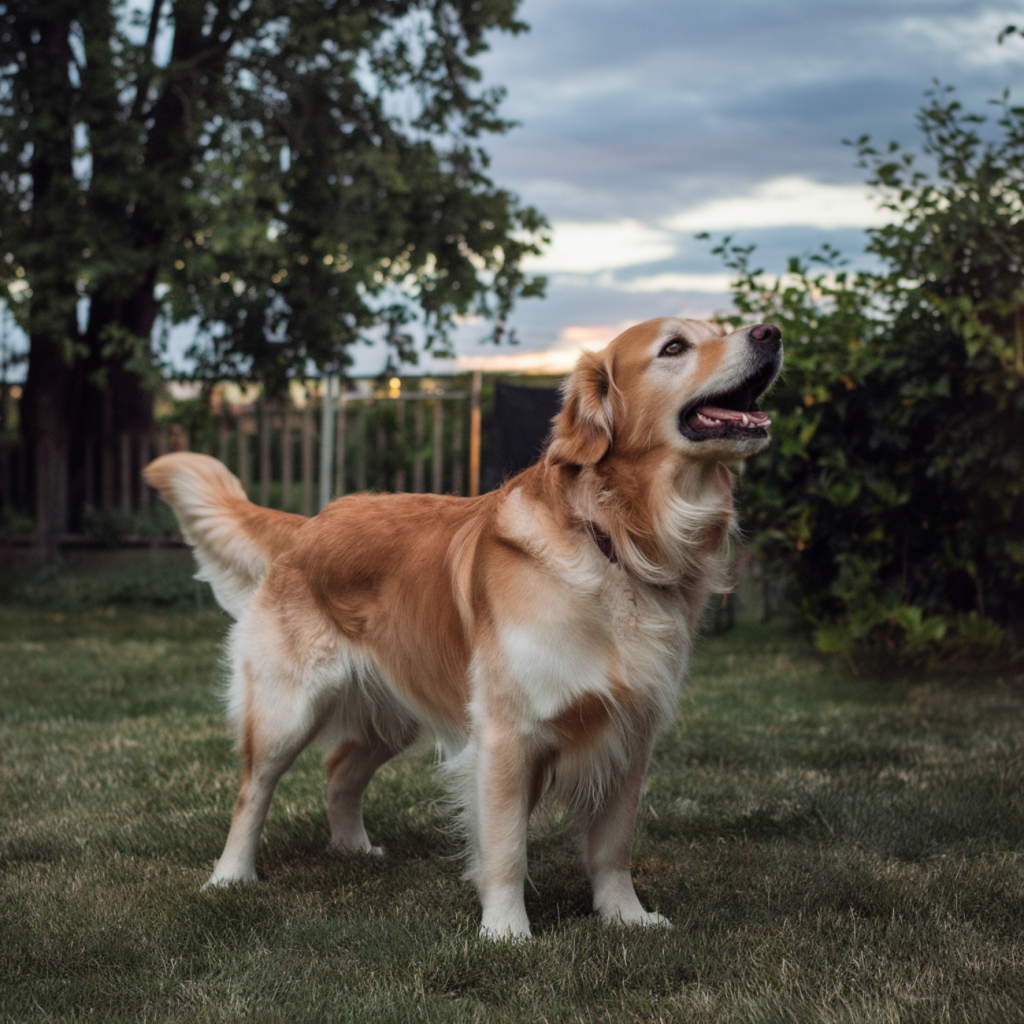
340	441
327	442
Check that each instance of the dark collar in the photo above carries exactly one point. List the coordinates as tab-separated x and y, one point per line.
602	540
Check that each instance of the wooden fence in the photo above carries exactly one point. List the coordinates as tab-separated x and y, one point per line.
297	457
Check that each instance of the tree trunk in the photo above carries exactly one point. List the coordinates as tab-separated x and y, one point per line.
50	263
49	413
66	405
116	400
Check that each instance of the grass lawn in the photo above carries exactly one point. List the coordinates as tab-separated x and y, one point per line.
829	847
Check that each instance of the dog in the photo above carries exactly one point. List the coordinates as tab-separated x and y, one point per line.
540	633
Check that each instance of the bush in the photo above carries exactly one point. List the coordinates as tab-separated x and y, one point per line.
98	579
892	493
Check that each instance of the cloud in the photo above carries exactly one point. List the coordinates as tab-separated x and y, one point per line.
554	361
587	247
711	284
630	112
591	337
559	358
791	201
971	40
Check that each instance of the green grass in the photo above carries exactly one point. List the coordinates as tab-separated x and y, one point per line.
830	848
88	579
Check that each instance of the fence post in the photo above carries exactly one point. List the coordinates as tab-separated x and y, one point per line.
381	448
5	450
400	444
327	442
126	474
286	457
223	440
107	471
244	461
361	447
90	474
145	454
457	467
339	442
417	441
307	459
264	454
437	451
5	474
474	434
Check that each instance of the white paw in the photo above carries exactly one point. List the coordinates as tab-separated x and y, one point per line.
654	919
223	881
504	934
635	919
369	851
504	918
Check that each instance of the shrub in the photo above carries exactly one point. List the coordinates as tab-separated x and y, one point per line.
892	494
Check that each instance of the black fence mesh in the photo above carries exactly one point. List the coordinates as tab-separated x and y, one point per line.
518	430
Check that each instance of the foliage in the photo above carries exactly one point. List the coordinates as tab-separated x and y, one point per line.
96	579
291	172
894	489
292	175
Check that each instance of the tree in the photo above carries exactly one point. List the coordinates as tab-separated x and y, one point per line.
894	491
294	173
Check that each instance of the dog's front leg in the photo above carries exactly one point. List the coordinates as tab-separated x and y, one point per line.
503	796
607	835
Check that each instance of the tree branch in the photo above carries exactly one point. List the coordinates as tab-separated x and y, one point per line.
154	25
146	71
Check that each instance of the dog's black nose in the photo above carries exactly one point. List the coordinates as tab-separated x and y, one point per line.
765	332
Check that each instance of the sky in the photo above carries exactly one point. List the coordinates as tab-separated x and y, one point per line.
641	125
644	124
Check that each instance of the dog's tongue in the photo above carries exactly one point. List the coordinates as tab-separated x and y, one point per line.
746	419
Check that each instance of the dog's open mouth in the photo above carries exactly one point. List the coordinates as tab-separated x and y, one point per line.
730	414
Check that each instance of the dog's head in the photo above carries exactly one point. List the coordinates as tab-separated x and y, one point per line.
670	382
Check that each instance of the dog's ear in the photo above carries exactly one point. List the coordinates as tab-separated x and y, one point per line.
582	431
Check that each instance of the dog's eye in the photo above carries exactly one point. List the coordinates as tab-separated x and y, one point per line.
675	347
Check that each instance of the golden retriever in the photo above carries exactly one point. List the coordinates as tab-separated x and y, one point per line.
540	633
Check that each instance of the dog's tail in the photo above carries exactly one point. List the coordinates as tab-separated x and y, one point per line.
233	539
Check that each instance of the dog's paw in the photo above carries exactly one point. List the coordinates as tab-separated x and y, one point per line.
507	934
636	919
216	881
504	917
655	920
377	852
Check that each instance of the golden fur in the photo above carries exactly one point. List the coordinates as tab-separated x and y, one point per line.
498	624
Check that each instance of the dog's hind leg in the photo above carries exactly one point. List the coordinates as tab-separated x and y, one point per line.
271	739
350	767
607	835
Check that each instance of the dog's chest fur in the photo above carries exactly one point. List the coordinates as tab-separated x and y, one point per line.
587	626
